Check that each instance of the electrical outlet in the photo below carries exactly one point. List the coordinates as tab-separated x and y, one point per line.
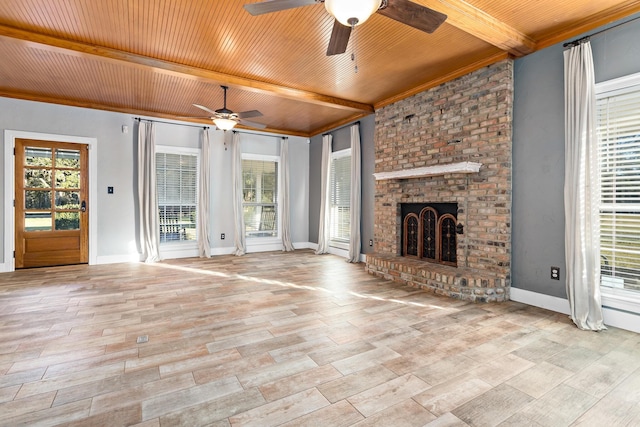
555	273
370	242
222	236
109	190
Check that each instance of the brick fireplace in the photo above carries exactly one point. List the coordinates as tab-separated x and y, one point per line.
449	145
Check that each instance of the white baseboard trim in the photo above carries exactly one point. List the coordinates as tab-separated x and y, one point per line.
548	302
344	253
305	245
272	247
621	319
4	268
178	252
229	250
615	314
117	259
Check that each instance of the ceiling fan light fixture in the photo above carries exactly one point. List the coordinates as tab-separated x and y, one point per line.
224	124
352	12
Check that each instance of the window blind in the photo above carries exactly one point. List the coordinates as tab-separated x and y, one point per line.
177	184
618	131
340	198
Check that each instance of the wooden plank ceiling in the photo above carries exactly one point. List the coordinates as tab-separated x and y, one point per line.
157	58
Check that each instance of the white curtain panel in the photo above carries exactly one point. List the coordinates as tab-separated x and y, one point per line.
325	192
204	244
582	190
148	216
287	246
354	211
238	211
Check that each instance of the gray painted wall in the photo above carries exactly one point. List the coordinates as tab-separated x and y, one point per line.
538	153
115	149
116	167
341	141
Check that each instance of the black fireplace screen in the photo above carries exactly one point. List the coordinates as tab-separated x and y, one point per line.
429	231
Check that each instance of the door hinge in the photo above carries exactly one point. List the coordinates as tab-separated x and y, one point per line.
14	254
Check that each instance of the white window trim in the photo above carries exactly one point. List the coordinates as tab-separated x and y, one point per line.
253	241
619	299
340	245
616	86
183	249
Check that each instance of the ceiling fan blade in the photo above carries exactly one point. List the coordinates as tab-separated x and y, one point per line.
275	6
208	110
414	15
339	39
252	124
249	114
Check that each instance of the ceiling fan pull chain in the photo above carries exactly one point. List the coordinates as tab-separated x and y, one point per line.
354	58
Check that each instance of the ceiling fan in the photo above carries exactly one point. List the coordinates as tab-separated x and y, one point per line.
226	119
349	13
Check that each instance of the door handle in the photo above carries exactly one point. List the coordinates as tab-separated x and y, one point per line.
83	206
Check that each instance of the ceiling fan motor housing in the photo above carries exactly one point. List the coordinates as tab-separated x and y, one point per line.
226	113
352	13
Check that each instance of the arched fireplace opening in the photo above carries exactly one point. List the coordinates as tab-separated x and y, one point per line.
429	232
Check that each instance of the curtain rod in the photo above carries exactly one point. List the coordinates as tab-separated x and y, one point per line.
342	127
170	123
587	38
259	134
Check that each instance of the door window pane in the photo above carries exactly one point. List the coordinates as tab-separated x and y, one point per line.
37	221
67	220
67	200
37	199
36	156
37	178
67	179
67	158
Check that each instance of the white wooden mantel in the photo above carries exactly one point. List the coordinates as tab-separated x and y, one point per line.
449	168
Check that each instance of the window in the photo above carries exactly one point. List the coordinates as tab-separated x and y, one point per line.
260	195
618	131
340	200
177	186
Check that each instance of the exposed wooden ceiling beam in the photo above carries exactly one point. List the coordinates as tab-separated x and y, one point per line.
480	24
589	23
97	106
184	71
338	124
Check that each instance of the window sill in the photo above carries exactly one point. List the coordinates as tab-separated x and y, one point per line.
263	240
621	299
339	245
184	244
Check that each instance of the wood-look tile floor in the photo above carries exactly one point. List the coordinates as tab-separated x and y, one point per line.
293	339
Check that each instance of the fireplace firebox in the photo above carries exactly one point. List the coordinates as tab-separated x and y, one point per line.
429	231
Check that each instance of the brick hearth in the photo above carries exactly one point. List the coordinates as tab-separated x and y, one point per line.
464	283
